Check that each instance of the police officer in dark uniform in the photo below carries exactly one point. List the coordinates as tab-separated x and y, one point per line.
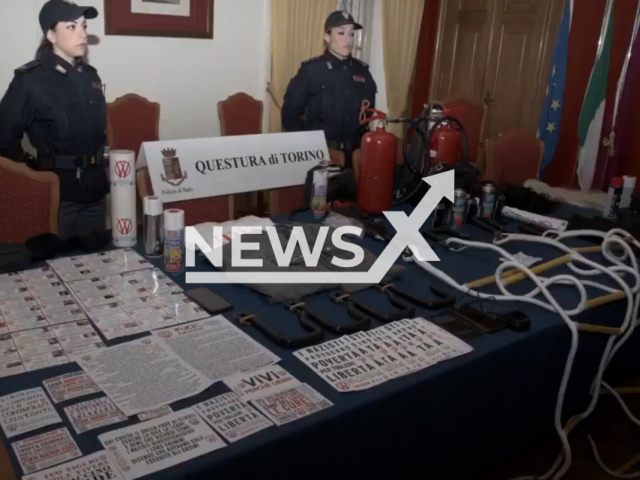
328	91
58	101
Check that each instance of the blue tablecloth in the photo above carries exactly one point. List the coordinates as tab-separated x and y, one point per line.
446	421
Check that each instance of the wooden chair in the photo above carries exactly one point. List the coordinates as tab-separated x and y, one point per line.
240	114
132	120
199	210
472	117
513	157
29	202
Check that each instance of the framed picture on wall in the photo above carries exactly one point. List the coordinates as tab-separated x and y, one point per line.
159	18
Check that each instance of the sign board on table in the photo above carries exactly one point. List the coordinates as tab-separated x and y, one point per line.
208	167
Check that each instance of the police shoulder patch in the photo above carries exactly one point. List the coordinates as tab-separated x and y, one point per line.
311	60
364	64
91	68
27	66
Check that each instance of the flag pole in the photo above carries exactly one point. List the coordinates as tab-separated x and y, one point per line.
621	84
603	32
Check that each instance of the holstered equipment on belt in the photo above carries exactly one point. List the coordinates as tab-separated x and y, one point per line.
314	336
402	311
345	145
393	291
361	321
50	161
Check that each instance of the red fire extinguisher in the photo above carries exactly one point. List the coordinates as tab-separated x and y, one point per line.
446	143
378	152
377	169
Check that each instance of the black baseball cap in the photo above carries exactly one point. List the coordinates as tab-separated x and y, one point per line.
340	18
55	11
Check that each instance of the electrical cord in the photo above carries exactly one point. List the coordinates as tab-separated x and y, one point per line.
609	254
609	239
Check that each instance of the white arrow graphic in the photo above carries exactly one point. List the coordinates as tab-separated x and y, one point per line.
407	235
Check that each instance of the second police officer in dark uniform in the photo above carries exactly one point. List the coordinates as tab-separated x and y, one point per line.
58	101
328	91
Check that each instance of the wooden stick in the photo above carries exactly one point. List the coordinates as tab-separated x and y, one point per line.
537	269
622	391
612	297
571	424
583	327
630	464
521	276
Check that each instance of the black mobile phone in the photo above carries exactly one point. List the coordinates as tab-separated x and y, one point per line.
479	319
208	300
516	320
456	326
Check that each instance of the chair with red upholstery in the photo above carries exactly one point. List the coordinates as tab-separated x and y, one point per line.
240	114
132	120
513	158
472	116
29	202
198	210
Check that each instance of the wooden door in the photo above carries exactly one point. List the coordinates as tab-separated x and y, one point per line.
523	38
498	52
465	32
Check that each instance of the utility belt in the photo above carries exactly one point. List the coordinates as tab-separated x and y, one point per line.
344	145
72	162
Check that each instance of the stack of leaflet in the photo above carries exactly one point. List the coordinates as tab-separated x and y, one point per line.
40	323
366	359
130	303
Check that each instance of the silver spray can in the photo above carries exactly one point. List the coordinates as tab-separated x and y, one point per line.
153	227
459	208
488	200
319	189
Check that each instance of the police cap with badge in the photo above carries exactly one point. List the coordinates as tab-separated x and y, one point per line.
55	11
339	19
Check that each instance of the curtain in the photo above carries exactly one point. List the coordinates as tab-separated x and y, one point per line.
296	35
362	12
401	21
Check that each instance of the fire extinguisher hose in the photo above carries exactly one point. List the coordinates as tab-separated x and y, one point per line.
421	170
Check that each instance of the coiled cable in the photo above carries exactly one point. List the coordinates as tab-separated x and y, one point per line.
620	239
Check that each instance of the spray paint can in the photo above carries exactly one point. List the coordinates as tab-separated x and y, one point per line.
439	216
153	226
627	191
174	247
614	195
488	200
459	208
473	209
319	189
501	201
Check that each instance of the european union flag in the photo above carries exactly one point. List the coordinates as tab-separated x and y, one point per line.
549	128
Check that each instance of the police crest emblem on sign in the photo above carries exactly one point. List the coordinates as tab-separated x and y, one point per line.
173	174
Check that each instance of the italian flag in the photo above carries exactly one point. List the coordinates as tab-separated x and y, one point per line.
592	115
